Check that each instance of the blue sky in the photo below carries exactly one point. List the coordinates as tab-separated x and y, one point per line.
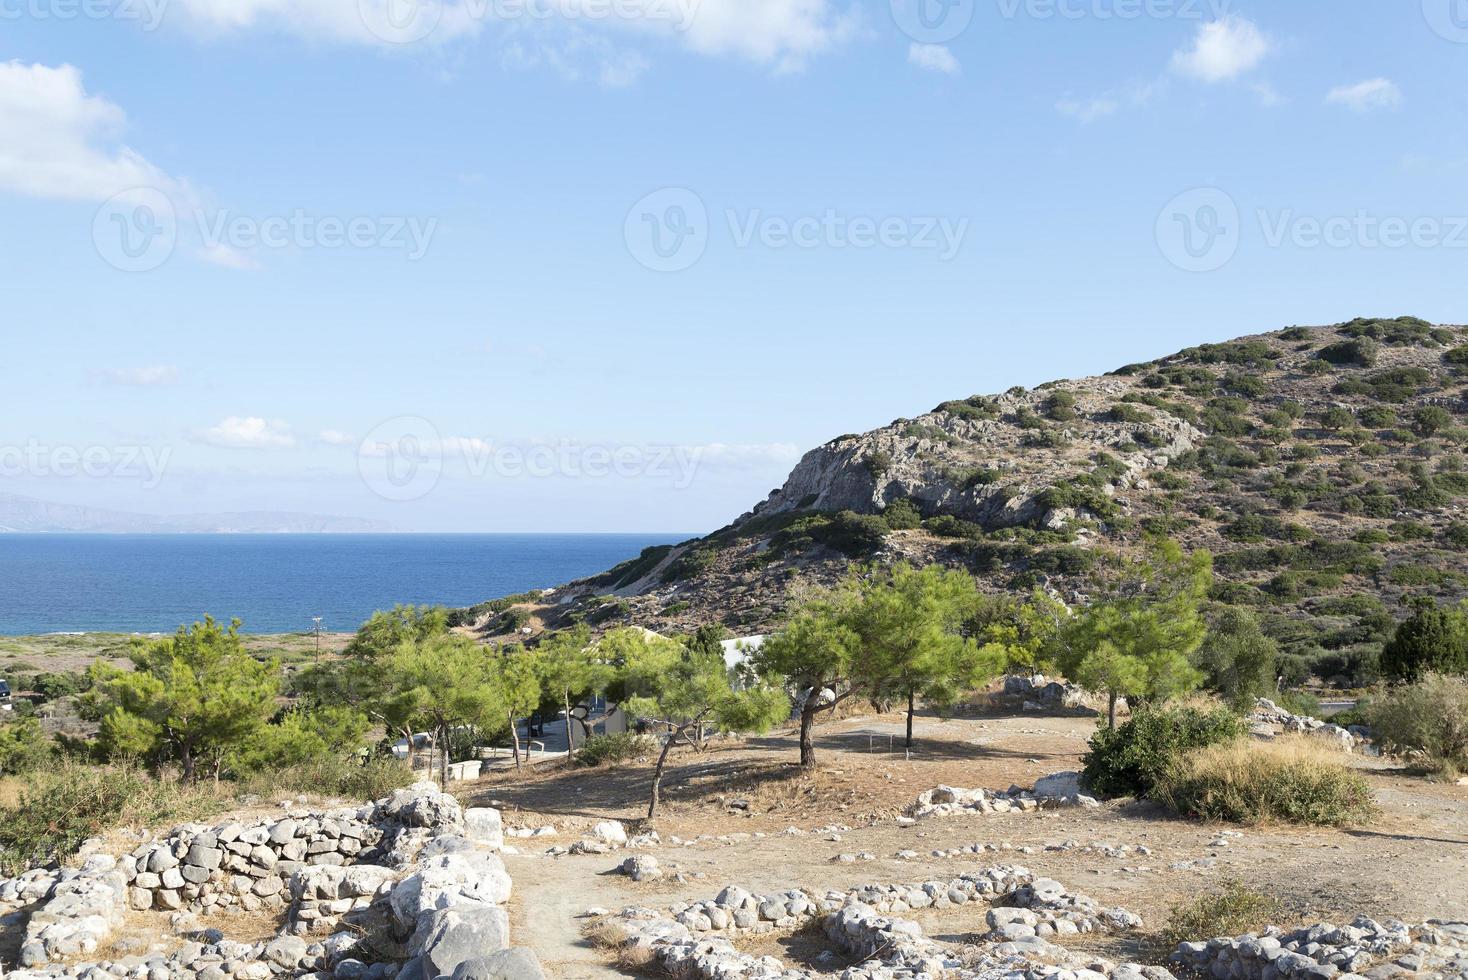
596	265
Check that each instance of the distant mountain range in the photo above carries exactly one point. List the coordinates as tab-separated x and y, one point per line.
26	515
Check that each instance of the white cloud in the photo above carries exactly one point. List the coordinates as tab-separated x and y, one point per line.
237	432
335	437
154	376
783	34
61	142
933	57
1374	93
1223	50
1269	97
1088	110
228	257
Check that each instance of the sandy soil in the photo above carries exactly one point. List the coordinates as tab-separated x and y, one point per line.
1410	863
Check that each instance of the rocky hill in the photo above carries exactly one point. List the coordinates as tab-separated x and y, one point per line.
1322	466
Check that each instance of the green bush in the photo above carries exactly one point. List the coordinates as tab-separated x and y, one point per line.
902	515
337	774
23	747
63	805
1361	352
1299	780
1429	718
1231	911
612	750
1127	760
1433	640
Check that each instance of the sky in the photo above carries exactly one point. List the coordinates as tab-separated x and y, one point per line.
614	265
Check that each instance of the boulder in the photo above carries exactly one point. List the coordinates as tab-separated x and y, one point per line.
508	964
448	938
483	826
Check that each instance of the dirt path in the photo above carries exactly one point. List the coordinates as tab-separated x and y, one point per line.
1411	863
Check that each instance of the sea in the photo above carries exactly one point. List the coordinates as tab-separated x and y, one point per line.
277	583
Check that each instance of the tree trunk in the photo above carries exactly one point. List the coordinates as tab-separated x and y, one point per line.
567	700
807	722
911	707
186	759
515	737
443	754
657	776
1111	710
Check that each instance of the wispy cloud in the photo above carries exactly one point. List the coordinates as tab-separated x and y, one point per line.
248	432
153	376
1372	94
933	57
63	143
1088	110
1223	50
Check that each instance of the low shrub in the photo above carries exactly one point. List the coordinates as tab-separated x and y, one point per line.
1127	760
1296	780
1428	720
334	774
612	750
1233	910
63	805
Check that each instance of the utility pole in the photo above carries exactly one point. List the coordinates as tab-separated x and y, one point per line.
317	630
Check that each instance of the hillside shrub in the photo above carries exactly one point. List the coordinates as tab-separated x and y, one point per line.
1297	780
1231	911
612	750
1428	719
1128	760
1358	352
1433	640
63	805
902	515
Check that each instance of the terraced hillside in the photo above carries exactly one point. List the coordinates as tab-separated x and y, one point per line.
1323	467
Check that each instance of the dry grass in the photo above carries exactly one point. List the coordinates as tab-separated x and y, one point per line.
1291	780
612	936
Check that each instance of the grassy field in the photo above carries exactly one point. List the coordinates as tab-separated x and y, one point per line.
60	653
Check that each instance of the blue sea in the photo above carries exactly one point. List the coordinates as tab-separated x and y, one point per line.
275	583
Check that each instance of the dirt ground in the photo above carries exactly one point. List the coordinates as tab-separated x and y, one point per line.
1410	863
